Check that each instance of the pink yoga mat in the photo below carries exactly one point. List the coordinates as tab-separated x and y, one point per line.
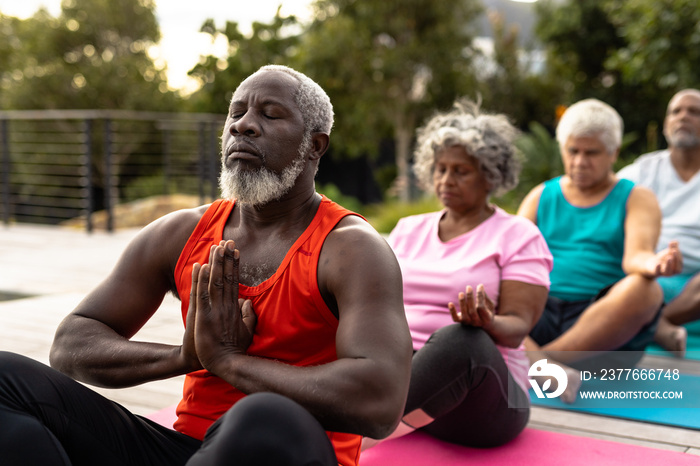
531	447
165	417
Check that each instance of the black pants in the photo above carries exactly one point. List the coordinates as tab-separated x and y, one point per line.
460	378
47	418
560	315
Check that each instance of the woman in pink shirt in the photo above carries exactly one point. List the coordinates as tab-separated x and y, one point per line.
475	282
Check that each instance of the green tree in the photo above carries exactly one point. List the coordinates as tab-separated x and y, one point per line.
386	65
662	42
632	54
511	83
94	55
275	42
578	37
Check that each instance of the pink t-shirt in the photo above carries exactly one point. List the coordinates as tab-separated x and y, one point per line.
503	247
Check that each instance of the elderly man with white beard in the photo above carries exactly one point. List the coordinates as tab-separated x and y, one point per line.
295	343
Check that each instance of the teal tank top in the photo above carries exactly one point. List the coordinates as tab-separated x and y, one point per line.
587	243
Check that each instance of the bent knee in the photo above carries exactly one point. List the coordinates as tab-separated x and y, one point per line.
14	363
457	341
17	371
644	289
263	404
265	409
267	428
460	334
641	294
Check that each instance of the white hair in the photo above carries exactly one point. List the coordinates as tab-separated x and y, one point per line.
313	102
592	118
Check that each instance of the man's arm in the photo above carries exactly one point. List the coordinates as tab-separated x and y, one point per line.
373	336
364	390
642	229
92	343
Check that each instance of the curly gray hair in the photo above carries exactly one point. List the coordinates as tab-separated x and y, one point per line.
313	102
487	138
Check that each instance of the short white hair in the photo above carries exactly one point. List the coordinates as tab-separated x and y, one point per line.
592	118
313	102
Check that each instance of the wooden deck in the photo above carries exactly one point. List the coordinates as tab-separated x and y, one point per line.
56	267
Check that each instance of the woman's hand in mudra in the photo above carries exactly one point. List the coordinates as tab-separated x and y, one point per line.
475	309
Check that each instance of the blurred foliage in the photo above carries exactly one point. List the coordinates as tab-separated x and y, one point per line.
154	185
632	54
662	42
94	55
273	43
510	83
384	217
332	192
541	161
386	65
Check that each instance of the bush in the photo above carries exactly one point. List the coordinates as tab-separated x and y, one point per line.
332	192
383	217
155	185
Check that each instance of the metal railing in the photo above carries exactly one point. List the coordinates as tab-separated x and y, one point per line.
62	164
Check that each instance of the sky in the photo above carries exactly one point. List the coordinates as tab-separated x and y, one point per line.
182	44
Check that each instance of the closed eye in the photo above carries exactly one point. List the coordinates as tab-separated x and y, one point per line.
237	113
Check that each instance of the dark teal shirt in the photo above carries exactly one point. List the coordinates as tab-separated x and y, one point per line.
587	243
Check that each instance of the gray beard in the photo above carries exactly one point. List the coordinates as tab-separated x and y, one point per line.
258	187
684	140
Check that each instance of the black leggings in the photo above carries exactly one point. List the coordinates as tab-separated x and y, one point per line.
47	418
460	378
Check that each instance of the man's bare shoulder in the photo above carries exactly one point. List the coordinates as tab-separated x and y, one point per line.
351	221
358	272
355	243
178	222
356	230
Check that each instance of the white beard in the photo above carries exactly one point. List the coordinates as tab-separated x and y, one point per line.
258	187
684	140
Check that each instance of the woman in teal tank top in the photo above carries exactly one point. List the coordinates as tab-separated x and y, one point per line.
602	233
587	242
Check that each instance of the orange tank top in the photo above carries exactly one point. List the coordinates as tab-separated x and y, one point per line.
294	324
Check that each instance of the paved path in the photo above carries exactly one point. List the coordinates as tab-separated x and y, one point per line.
57	267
